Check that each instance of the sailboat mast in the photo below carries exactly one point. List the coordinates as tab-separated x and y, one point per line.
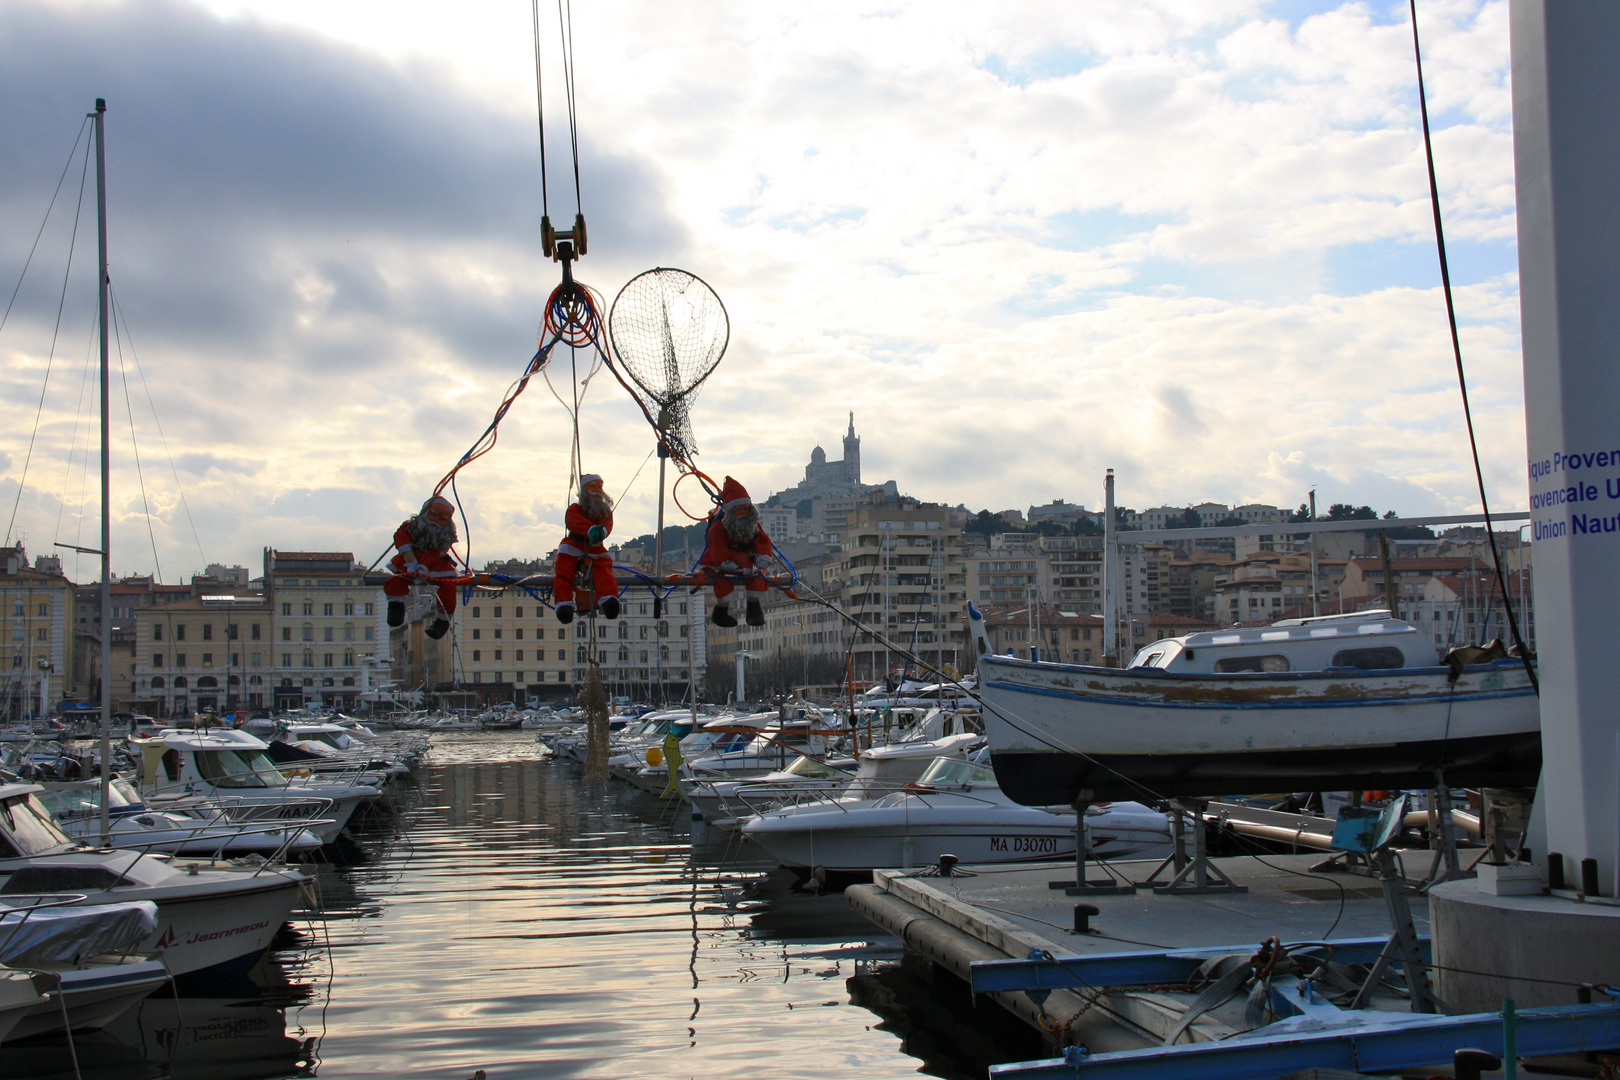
100	116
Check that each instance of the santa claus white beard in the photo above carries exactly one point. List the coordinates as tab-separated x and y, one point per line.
740	525
596	507
426	536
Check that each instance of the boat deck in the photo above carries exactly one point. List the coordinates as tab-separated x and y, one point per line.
1002	913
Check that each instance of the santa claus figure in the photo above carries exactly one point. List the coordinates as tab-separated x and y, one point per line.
737	545
424	544
589	521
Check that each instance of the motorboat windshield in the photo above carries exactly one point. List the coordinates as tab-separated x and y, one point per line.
956	772
28	825
243	767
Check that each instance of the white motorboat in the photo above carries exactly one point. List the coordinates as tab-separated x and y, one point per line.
79	960
211	917
234	769
878	772
1342	701
184	827
954	808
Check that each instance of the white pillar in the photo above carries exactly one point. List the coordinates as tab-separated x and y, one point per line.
1566	138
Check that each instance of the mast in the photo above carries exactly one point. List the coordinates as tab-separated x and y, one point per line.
1110	568
100	117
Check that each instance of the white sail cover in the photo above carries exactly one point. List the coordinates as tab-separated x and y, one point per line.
64	935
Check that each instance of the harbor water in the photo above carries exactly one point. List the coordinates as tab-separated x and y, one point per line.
517	920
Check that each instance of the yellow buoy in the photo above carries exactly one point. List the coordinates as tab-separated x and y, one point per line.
655	756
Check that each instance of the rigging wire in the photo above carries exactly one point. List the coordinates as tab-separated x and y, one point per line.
565	26
146	385
539	105
119	331
39	411
59	180
1456	349
85	381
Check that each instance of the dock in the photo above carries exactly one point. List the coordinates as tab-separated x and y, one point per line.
1002	913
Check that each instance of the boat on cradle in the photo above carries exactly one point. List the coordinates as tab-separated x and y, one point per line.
954	808
1341	701
183	827
878	772
78	961
212	917
233	769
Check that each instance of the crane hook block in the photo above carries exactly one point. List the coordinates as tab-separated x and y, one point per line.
548	236
579	234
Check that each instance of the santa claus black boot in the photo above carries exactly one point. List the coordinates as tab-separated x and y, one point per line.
722	616
565	613
438	629
756	617
396	613
610	607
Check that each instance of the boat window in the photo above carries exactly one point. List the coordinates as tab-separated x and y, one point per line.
238	768
810	767
945	772
171	764
1150	660
1271	662
1370	659
29	825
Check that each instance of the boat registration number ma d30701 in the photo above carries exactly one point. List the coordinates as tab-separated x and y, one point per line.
1032	844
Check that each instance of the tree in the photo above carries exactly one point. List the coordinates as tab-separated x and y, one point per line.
1346	512
1188	520
1302	514
1085	526
1230	520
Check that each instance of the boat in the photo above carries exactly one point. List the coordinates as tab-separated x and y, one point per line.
954	808
1338	702
212	917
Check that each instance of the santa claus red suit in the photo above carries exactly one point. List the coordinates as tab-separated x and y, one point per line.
424	544
737	544
589	521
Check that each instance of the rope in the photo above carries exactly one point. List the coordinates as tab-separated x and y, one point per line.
1456	349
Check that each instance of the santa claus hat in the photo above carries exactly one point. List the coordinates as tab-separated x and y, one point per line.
436	501
733	494
586	479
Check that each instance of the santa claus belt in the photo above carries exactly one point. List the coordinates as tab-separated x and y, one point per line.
567	548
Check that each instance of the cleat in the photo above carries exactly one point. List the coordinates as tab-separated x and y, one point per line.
756	617
610	607
565	613
722	616
439	628
396	613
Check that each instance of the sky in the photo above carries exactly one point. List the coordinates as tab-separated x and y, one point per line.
1188	240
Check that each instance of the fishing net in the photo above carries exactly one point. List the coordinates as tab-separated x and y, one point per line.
593	702
668	331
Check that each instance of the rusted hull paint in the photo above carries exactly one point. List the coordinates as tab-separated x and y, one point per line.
1057	729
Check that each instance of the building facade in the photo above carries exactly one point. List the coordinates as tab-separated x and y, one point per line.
36	634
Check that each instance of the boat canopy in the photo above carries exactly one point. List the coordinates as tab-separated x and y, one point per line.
1363	641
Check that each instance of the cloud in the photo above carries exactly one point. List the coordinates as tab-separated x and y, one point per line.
1190	242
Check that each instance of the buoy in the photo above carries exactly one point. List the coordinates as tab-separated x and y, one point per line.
655	756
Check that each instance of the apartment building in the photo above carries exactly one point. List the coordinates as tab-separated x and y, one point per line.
36	634
893	575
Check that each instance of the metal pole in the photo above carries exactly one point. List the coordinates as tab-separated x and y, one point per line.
1316	604
100	116
1110	568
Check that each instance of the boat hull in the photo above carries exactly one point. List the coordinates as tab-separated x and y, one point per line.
1057	731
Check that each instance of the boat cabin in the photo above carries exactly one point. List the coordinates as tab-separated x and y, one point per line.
220	758
1360	641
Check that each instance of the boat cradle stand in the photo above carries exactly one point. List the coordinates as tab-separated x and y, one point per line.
1081	885
1197	874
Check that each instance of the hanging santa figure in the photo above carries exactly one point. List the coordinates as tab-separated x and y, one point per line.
424	543
737	545
589	521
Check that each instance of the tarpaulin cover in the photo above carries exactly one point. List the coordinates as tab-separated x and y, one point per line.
64	934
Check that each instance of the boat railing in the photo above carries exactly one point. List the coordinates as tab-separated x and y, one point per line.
30	903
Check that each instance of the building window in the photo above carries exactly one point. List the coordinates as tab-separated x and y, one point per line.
518	655
157	631
44	609
208	631
348	607
326	633
179	682
157	682
157	659
326	609
42	634
179	659
370	631
309	659
497	654
497	611
348	659
477	633
286	661
562	654
517	613
371	609
518	633
309	607
348	632
475	612
208	659
309	633
562	676
477	656
253	661
539	633
326	660
180	632
286	609
497	629
286	633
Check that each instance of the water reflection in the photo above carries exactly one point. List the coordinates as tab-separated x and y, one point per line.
516	920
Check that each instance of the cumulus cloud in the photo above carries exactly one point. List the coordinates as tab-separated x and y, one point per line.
1024	245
